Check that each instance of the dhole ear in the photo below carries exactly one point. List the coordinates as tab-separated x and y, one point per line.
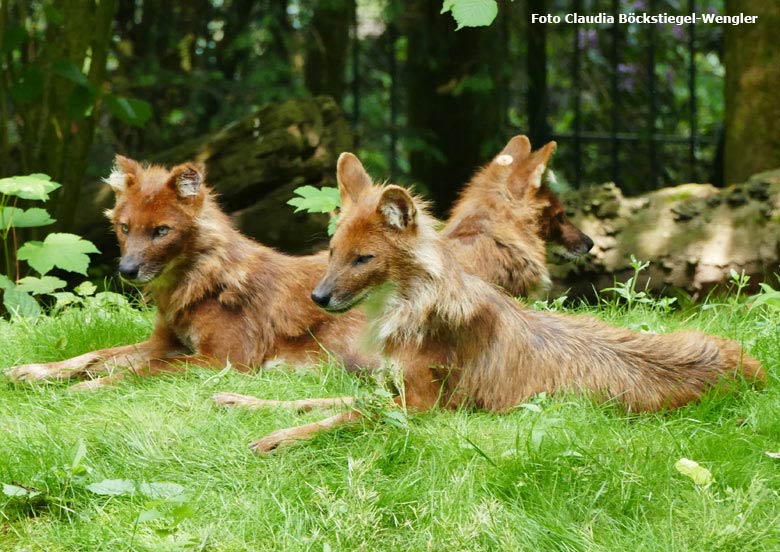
529	174
397	207
188	180
352	177
516	150
123	174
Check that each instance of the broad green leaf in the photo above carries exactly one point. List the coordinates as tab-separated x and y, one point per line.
65	251
24	218
161	489
85	289
471	13
112	487
15	491
6	282
67	69
150	515
79	455
80	102
700	475
315	200
32	186
65	298
37	286
15	36
129	110
20	303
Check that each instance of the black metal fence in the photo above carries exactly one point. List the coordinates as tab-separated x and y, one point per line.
622	144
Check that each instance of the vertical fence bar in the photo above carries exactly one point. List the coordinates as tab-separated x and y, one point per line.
615	96
537	75
692	92
355	70
392	32
577	82
651	85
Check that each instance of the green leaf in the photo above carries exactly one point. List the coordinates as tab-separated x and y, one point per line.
15	36
79	455
20	303
129	110
32	186
700	475
21	218
86	288
67	69
37	286
161	489
6	282
150	515
471	13
80	101
316	200
112	487
65	251
65	298
15	491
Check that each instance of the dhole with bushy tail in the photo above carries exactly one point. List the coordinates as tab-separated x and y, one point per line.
500	228
221	297
459	341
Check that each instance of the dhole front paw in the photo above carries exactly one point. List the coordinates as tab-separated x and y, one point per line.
236	400
273	440
31	372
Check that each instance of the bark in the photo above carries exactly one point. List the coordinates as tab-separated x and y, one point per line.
693	235
752	88
326	45
254	164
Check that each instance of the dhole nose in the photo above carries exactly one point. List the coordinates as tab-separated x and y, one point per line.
128	269
588	244
322	299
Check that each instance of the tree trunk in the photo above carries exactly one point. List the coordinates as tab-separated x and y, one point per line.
693	235
326	46
752	90
453	101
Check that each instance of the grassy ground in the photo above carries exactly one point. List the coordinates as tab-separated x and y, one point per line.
561	474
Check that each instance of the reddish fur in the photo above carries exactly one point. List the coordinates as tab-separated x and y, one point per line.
500	225
221	297
461	342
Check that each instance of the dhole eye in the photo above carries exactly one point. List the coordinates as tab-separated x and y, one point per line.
124	228
160	231
361	260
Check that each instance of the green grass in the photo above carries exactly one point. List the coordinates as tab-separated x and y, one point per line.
568	475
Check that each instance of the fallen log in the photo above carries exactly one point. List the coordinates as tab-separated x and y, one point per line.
694	235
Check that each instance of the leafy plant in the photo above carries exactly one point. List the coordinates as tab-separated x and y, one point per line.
471	13
318	200
628	293
65	251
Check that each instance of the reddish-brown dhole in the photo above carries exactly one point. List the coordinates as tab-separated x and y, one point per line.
461	342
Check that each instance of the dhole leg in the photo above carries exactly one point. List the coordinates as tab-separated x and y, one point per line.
160	345
298	433
150	368
303	405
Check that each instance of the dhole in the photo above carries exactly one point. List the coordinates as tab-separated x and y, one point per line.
221	297
499	227
461	342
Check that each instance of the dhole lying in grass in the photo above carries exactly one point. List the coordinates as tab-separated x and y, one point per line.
222	297
461	342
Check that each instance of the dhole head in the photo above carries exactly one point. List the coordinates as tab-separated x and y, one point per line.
154	215
527	182
376	231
